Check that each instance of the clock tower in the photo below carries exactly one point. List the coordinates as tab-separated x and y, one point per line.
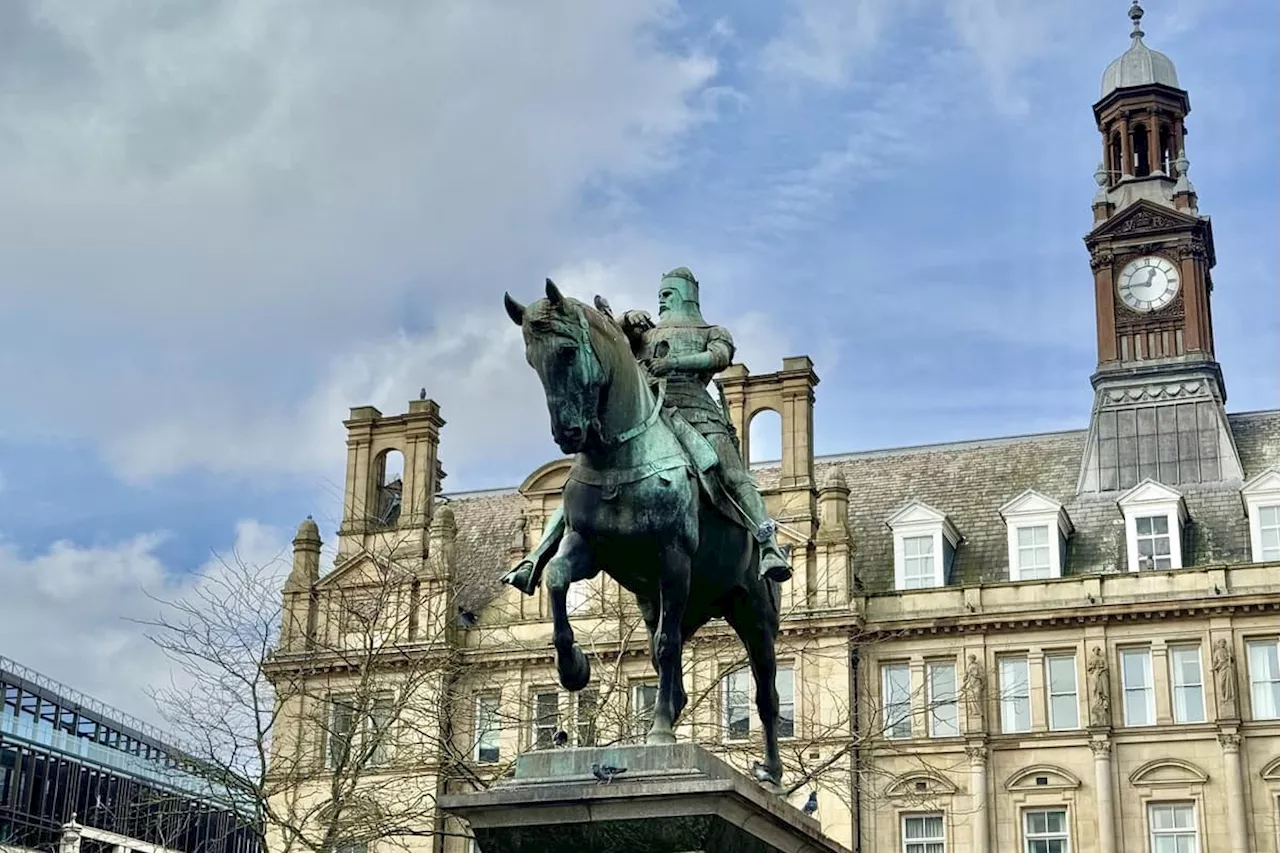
1159	396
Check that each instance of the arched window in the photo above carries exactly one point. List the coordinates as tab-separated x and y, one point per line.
1141	151
389	484
1167	154
765	437
1116	167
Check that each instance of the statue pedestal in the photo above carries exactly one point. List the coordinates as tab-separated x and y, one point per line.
671	799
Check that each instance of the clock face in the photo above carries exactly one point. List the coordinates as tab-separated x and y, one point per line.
1148	284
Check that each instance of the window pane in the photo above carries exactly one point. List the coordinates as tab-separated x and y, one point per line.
1264	678
737	720
1015	702
487	728
1135	670
944	719
1188	691
786	686
896	699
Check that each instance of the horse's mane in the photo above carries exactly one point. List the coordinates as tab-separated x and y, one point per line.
546	317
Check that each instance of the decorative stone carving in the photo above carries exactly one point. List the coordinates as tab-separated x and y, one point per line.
977	753
1194	249
1224	671
1230	741
1164	391
1144	220
975	692
1099	689
517	542
1101	259
1100	748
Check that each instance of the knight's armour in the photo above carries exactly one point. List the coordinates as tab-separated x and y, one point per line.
686	389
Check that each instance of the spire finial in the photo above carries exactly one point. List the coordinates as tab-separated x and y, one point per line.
1135	15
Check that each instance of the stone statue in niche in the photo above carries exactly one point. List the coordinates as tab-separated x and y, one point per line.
1224	671
975	691
1099	689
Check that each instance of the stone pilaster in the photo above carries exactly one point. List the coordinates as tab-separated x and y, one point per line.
1106	803
1237	823
977	753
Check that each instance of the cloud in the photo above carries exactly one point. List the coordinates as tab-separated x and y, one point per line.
823	37
473	367
237	212
837	43
68	609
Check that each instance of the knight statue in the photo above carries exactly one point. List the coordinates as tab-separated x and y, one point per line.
681	354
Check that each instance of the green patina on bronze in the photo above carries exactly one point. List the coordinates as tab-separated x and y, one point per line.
658	496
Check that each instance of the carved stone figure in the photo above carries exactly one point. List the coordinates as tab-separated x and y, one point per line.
975	690
1099	689
639	503
681	354
1224	670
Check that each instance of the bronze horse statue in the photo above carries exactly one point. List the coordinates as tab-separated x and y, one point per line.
635	510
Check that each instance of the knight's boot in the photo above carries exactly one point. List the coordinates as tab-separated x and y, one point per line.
522	577
774	564
527	574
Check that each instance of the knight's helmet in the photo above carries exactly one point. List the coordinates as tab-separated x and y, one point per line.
685	307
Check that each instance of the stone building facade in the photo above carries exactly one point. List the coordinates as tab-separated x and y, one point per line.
1047	643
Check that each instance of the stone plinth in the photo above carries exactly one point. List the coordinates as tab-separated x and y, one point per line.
671	799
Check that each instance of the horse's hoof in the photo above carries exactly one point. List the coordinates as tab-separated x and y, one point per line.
664	737
765	776
576	672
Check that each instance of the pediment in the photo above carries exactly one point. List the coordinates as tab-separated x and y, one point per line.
1264	483
1042	777
1150	492
1271	772
915	512
1144	217
920	783
547	479
358	569
1032	503
1168	771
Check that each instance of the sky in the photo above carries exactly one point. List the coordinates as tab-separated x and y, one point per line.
225	222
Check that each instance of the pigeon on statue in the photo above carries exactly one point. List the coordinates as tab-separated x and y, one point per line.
811	804
605	774
560	738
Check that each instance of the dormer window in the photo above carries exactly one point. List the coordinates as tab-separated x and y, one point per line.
1154	517
924	544
1038	528
1262	505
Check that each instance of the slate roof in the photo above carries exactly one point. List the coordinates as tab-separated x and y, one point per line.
968	481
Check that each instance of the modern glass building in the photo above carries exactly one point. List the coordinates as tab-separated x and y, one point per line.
65	756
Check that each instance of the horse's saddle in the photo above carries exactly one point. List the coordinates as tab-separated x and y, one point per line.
704	460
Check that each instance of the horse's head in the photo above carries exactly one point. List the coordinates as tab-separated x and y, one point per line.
559	345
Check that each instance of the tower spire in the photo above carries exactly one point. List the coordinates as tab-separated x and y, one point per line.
1135	15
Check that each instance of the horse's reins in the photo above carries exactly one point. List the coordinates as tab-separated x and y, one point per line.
625	436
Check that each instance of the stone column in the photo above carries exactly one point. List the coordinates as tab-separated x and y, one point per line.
1237	824
977	752
1126	146
1106	805
1153	141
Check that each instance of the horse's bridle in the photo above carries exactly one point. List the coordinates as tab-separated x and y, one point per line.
583	341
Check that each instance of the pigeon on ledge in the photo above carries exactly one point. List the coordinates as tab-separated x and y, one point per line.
605	774
811	805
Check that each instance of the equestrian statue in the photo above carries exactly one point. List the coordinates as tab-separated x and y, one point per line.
658	496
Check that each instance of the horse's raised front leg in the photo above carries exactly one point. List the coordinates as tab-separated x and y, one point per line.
572	561
669	644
